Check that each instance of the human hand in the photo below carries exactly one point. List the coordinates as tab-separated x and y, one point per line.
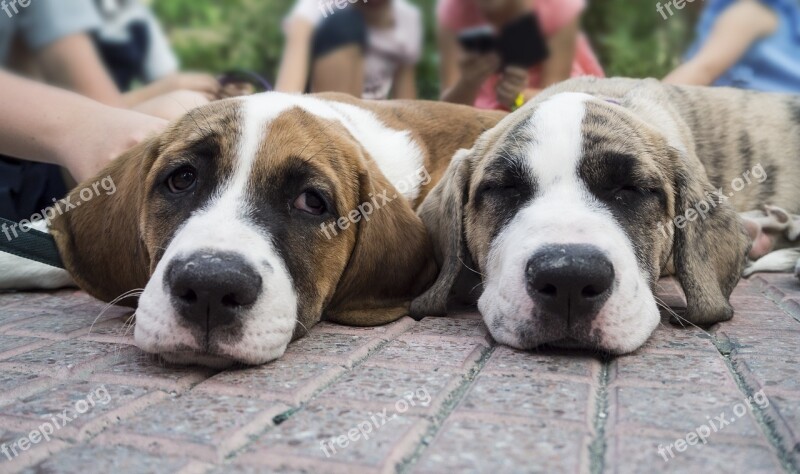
476	68
511	85
205	84
108	133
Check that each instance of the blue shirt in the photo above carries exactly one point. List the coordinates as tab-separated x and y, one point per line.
772	63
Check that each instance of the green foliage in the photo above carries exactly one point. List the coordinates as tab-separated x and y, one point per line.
630	37
216	36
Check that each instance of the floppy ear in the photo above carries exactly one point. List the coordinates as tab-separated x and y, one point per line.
710	251
391	263
442	211
99	240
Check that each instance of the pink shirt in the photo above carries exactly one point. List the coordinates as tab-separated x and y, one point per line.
458	15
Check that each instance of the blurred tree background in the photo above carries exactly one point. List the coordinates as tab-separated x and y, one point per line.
630	37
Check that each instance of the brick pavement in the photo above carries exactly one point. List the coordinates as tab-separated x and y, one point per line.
430	396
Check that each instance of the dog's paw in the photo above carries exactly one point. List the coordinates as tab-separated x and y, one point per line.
785	260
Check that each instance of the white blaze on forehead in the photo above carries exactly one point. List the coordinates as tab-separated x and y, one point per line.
555	154
563	212
394	151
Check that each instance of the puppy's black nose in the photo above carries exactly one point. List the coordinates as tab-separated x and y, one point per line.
570	280
209	289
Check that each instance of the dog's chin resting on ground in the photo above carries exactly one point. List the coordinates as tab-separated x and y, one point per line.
572	207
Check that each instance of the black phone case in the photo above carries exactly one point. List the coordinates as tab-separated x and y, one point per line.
522	42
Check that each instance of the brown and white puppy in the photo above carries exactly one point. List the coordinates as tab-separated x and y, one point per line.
572	207
250	219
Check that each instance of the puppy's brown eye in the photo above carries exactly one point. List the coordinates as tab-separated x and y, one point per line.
182	180
310	202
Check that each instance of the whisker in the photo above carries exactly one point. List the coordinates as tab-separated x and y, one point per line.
128	294
470	268
680	318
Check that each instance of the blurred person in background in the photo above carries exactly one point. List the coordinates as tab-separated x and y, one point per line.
51	41
84	45
53	127
368	49
475	79
748	44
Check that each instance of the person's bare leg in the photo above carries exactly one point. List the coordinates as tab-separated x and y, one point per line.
341	70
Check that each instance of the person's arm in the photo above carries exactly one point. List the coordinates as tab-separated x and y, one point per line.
205	84
462	74
733	34
293	71
405	83
42	123
558	65
73	63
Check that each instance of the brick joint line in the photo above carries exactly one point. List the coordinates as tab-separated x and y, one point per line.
597	448
453	399
765	423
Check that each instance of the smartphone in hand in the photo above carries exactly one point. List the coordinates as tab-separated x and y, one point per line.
522	43
480	40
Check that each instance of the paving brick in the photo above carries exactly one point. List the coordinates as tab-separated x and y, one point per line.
469	445
773	320
202	426
387	331
74	400
59	326
83	459
523	411
679	410
344	349
656	368
430	351
554	362
150	371
307	435
629	454
778	286
17	384
378	387
12	298
529	397
292	381
116	330
13	345
668	337
17	459
66	358
784	411
763	342
450	327
13	315
770	372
